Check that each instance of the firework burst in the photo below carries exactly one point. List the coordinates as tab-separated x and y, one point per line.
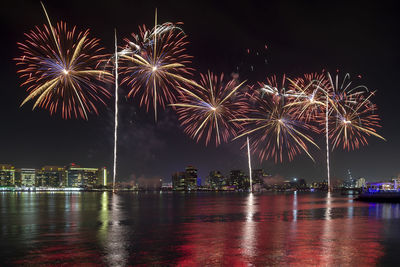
349	115
310	92
354	120
210	108
274	128
153	63
60	68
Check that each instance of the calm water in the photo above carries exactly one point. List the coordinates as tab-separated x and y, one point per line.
200	229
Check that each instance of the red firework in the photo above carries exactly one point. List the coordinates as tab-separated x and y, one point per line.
211	108
311	92
353	117
273	126
60	66
154	64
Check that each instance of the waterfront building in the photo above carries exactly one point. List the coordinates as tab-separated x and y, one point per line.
216	180
166	186
77	176
26	177
190	178
7	175
260	178
178	181
320	185
239	180
50	176
361	183
378	186
186	180
296	183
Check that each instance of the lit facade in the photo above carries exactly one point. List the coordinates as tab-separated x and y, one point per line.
239	180
50	176
190	178
7	175
361	183
216	180
102	177
77	176
259	176
27	177
178	181
186	180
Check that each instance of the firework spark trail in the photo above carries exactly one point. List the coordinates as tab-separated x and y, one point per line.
274	128
210	108
115	113
61	69
327	143
250	174
154	64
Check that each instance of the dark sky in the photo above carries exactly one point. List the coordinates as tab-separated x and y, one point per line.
362	39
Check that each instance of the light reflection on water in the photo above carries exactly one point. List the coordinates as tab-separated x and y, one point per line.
327	235
115	246
249	229
196	229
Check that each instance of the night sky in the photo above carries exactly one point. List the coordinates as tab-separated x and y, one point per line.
362	39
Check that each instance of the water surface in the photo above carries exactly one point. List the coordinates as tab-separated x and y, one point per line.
196	229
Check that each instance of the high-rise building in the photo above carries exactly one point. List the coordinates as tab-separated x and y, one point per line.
216	180
239	180
7	175
349	182
259	176
26	177
178	181
50	176
77	176
260	179
186	180
190	178
102	179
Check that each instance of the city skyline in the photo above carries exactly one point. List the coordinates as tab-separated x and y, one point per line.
74	177
36	137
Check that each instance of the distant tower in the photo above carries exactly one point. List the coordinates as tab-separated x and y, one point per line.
350	179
